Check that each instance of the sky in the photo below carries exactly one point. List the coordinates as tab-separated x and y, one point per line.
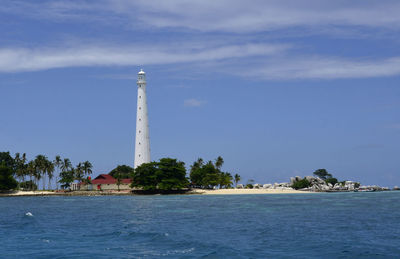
277	88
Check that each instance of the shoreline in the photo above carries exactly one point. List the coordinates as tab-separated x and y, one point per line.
129	193
246	191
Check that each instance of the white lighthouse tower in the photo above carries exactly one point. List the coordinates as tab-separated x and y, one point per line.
142	143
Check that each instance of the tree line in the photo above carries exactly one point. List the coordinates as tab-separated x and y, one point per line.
17	171
170	174
166	174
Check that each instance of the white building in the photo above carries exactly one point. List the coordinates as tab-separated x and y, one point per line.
142	143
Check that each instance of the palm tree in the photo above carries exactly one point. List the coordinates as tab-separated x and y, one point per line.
196	164
219	162
40	162
57	163
237	179
31	170
49	168
66	165
79	173
24	166
19	166
87	168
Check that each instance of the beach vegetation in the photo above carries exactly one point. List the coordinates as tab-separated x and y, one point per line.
303	183
249	184
209	175
7	181
7	160
332	180
57	166
121	171
322	173
28	185
29	173
237	179
164	175
66	178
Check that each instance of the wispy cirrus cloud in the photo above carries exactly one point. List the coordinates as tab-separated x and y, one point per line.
272	61
224	15
27	59
261	15
323	67
193	102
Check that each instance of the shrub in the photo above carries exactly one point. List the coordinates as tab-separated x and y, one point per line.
332	181
249	186
7	181
304	183
28	185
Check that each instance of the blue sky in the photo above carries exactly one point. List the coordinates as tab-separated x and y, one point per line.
277	88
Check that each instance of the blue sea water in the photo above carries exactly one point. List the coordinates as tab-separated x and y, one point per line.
326	225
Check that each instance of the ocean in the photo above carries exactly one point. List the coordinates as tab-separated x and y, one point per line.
324	225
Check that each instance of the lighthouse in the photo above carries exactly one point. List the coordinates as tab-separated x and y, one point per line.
142	142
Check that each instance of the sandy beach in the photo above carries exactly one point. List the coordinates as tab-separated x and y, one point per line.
28	193
246	191
195	191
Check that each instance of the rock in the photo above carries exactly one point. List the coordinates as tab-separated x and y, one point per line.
256	186
267	186
309	178
325	187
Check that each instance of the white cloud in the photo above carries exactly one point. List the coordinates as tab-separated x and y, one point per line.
223	15
261	15
25	59
193	103
325	68
268	65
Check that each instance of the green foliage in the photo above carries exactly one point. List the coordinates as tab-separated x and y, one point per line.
237	179
323	174
249	186
66	178
332	181
7	181
7	159
28	185
121	171
209	175
167	174
171	174
144	176
304	183
225	180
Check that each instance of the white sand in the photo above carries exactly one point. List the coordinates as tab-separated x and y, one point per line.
197	191
23	193
247	191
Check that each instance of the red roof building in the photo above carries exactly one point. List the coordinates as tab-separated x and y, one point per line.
108	179
107	182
